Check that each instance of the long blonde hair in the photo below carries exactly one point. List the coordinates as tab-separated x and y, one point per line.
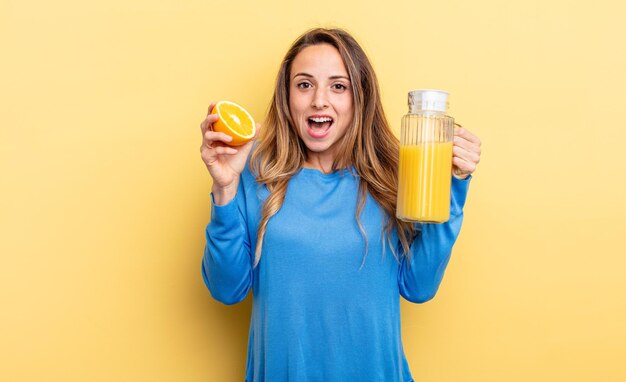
369	144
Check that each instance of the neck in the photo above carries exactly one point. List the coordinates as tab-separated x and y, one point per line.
320	161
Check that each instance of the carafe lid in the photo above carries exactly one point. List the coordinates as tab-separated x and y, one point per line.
428	100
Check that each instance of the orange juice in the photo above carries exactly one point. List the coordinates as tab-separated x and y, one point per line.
425	177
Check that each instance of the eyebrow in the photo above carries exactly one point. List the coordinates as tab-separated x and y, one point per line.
311	76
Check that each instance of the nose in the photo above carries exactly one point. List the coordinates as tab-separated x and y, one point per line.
320	99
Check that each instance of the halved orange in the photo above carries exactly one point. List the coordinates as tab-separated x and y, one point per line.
235	121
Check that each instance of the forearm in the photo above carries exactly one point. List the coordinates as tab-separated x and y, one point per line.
419	278
226	265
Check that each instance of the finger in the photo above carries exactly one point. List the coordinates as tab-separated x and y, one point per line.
225	150
208	122
467	145
209	153
465	154
211	106
215	136
210	156
208	159
464	166
466	134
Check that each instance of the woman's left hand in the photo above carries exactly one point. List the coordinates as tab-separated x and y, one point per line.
465	152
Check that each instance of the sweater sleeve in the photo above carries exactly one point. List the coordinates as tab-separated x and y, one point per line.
226	264
419	278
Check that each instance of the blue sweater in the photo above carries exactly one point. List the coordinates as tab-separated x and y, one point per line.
317	315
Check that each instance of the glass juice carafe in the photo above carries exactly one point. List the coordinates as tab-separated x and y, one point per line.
425	173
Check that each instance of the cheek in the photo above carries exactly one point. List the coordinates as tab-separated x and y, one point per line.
343	101
297	106
293	108
347	109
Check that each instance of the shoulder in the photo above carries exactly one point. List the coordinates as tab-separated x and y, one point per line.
246	175
252	191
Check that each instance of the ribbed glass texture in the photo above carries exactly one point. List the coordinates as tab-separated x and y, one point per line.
425	172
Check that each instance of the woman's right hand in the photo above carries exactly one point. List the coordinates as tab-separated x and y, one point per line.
225	163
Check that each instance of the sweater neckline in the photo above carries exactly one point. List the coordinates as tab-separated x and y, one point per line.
331	175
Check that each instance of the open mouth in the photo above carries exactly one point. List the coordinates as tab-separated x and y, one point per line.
320	123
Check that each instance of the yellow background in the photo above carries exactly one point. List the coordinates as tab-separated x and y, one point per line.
104	197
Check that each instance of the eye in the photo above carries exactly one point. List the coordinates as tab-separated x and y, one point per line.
304	85
339	87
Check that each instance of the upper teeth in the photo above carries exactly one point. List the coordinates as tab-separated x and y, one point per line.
321	119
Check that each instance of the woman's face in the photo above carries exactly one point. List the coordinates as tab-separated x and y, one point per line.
320	101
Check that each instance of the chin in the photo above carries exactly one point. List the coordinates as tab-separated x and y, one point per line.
317	147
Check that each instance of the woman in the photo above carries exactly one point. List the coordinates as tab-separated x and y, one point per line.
308	222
